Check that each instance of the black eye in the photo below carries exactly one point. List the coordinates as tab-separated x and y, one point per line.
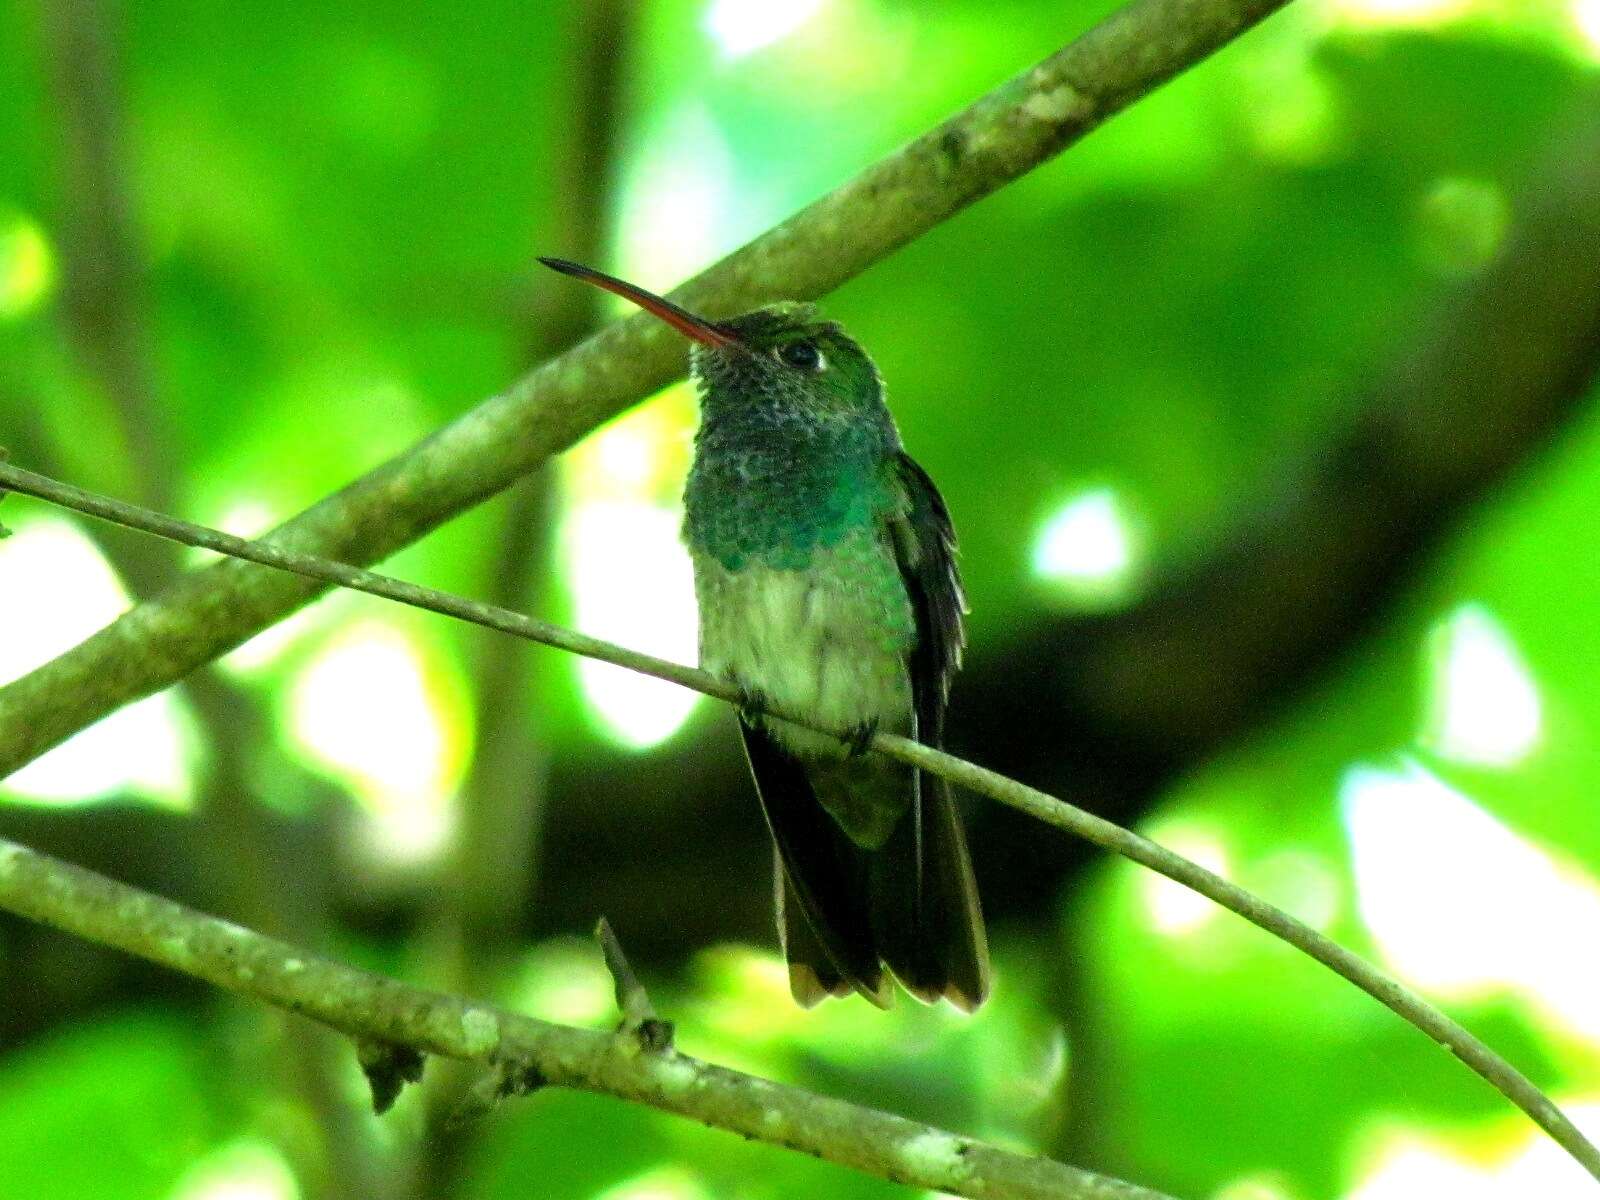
801	355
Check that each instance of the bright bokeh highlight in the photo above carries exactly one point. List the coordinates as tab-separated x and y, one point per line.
632	584
1173	909
27	266
741	27
565	981
1086	548
58	590
1288	106
1401	1164
1482	706
1586	20
626	569
1462	906
244	1170
678	205
377	711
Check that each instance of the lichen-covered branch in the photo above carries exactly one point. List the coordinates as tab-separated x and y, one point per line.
981	149
1411	1007
376	1009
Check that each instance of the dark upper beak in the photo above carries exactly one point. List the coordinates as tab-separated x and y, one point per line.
685	322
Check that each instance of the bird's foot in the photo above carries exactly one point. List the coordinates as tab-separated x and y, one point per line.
752	705
859	739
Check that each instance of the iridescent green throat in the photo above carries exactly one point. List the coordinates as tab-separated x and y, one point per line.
772	496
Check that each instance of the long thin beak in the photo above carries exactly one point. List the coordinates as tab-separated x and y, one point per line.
681	319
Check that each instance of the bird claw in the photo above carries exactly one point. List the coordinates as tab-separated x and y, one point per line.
752	705
859	740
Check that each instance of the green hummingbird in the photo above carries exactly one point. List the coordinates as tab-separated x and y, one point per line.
824	564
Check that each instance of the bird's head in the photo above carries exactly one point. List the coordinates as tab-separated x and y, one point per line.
784	356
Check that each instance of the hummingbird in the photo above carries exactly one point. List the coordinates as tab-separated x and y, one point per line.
825	573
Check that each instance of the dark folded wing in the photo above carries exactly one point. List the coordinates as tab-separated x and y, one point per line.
925	544
930	928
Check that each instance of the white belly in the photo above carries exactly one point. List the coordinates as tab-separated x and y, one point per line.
829	650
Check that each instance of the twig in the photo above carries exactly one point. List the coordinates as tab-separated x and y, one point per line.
1411	1007
638	1014
1002	136
376	1008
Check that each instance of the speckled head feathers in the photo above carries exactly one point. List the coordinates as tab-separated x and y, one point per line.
787	360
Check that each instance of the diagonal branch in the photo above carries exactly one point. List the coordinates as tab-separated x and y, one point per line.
1411	1007
376	1009
999	138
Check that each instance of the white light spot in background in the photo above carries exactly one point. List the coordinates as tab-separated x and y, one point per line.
741	27
244	1170
370	708
1482	707
268	648
1174	909
1410	1168
1086	548
1462	906
58	590
632	584
1403	1165
677	202
627	453
1586	18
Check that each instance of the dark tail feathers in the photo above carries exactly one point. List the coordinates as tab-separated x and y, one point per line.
845	911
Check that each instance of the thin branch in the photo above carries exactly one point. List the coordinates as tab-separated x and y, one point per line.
638	1014
1411	1007
1002	136
376	1009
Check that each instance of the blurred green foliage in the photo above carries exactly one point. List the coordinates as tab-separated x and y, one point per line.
340	205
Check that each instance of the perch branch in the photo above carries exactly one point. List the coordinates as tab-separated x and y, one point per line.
1411	1007
376	1010
1000	137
